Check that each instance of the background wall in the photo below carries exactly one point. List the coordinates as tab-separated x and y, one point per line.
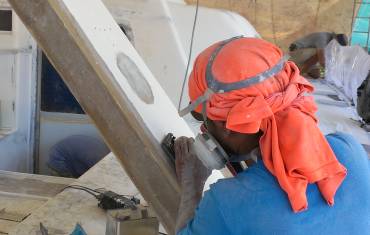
19	38
283	21
18	76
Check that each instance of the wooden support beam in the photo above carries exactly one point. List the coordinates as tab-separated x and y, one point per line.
102	69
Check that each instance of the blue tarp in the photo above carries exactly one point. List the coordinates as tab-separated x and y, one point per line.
361	26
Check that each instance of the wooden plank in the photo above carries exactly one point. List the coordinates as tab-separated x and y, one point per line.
29	184
83	43
21	194
63	211
6	226
18	206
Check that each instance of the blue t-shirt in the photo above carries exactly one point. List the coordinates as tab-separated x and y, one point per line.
253	202
76	154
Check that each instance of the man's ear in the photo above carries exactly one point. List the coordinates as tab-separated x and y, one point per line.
220	125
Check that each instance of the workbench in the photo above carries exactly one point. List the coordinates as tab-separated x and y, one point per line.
22	194
61	213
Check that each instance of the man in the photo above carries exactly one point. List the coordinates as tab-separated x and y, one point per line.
74	155
308	52
302	183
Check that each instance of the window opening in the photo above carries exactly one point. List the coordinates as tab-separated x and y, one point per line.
6	20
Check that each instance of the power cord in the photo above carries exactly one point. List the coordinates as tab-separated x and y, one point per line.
109	200
90	191
190	54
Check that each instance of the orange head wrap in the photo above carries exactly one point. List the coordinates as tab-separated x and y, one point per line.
293	148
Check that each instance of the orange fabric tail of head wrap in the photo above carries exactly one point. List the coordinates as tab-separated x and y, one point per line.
293	148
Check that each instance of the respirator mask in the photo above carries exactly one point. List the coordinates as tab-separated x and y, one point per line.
205	146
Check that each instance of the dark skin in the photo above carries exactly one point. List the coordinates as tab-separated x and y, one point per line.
233	142
318	57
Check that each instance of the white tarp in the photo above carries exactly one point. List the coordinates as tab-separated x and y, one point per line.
346	68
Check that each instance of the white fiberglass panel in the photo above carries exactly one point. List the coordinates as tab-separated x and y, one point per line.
108	40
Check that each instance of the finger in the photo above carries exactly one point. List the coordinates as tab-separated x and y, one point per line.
189	143
178	167
178	146
183	145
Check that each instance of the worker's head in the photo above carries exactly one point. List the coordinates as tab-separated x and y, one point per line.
342	39
234	118
249	89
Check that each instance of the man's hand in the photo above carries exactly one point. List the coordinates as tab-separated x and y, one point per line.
191	174
189	169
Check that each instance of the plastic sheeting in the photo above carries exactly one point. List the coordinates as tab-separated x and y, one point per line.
346	68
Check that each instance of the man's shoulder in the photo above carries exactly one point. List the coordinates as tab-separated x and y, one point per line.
254	193
343	138
258	178
224	185
253	184
347	149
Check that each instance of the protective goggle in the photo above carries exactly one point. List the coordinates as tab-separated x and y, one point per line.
206	147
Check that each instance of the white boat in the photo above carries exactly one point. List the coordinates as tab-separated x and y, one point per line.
31	122
37	111
160	30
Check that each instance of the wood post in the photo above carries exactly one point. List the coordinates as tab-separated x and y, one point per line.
98	92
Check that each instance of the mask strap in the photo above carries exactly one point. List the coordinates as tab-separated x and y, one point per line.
208	92
220	149
204	114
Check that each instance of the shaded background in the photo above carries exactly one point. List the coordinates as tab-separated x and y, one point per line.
283	21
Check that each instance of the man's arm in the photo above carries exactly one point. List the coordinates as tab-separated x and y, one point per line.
207	219
192	175
313	40
190	199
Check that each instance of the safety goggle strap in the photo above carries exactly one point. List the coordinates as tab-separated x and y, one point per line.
201	99
220	87
214	86
208	92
